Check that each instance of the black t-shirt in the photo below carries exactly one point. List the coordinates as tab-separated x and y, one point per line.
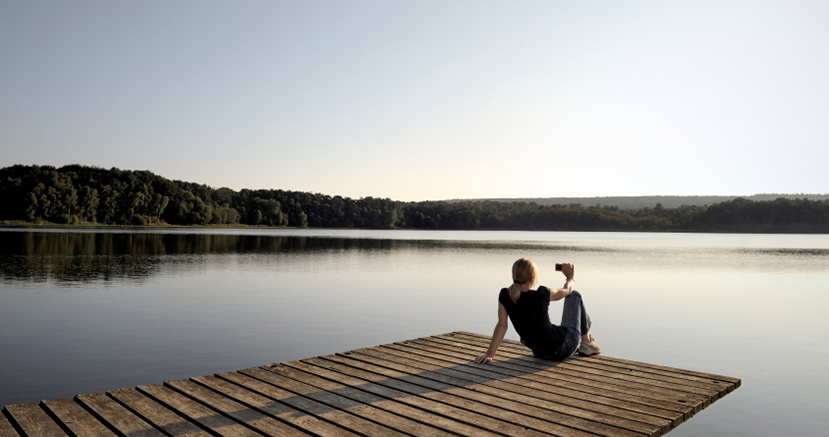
531	319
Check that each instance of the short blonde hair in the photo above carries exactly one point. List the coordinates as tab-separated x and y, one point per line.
523	270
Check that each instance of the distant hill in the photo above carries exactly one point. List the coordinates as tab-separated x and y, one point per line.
639	202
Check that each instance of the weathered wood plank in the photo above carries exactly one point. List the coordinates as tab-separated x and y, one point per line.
117	416
486	338
715	388
421	387
206	417
367	392
160	416
562	386
6	428
484	341
76	418
303	404
331	406
719	381
518	346
389	417
518	400
471	401
698	402
238	412
34	421
636	379
547	372
506	363
694	401
656	408
447	410
672	370
682	376
304	421
575	405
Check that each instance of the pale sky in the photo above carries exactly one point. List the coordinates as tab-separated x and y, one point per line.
426	100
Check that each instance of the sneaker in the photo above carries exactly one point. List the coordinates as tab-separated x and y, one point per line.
589	348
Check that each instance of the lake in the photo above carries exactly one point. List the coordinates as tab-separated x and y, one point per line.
90	310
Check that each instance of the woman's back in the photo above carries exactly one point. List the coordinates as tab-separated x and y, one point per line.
528	311
531	319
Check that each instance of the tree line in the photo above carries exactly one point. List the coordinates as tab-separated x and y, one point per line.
76	194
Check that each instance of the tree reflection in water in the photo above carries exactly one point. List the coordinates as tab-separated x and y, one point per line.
79	257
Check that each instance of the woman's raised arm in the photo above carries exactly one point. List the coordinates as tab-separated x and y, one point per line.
569	271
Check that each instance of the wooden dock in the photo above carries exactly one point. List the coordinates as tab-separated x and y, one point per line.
422	387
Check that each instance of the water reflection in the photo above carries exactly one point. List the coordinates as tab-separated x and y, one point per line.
147	244
73	257
92	310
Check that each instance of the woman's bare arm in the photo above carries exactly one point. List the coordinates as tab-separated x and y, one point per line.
497	336
561	293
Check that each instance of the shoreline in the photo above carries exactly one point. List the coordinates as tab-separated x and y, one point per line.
49	225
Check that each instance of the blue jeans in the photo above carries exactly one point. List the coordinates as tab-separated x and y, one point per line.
575	320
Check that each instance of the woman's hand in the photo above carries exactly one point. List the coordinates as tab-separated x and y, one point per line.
483	359
569	270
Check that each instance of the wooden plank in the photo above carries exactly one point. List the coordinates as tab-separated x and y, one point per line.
676	413
487	338
484	341
519	346
157	414
421	387
6	428
582	367
390	417
447	410
34	421
696	402
210	419
304	421
307	405
517	360
712	381
575	405
548	374
708	376
354	420
76	418
240	413
118	417
555	370
602	422
366	392
718	388
578	391
300	403
482	404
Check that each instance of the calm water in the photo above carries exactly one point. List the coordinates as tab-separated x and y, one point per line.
89	311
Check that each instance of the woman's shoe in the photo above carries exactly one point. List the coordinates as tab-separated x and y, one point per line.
589	348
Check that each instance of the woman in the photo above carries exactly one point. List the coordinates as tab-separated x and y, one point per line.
527	309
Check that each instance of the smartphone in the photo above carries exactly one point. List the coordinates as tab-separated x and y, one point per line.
558	267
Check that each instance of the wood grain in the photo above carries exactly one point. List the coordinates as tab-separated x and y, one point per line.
76	418
34	421
427	386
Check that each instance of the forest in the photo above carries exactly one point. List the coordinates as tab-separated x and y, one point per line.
77	194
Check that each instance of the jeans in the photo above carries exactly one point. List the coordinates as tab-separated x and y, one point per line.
577	323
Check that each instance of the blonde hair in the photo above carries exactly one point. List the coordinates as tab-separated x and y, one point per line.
523	270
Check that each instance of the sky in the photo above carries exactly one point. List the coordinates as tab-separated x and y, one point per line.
425	100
